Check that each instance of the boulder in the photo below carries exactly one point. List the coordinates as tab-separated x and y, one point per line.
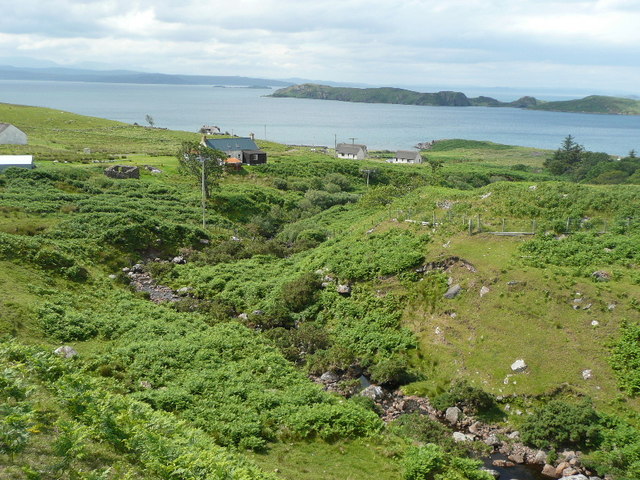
492	440
587	374
179	260
519	366
374	392
453	291
575	477
461	437
65	351
484	290
344	289
329	377
453	415
540	458
549	471
601	276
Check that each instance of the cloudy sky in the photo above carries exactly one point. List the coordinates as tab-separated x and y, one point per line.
588	44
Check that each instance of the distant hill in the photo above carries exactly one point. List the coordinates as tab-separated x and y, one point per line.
128	76
592	104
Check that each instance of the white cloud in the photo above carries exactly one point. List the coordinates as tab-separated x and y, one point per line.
370	41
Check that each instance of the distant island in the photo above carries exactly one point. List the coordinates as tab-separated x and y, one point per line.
591	104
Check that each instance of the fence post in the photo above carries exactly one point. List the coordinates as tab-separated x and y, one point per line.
533	226
503	224
479	224
568	225
470	227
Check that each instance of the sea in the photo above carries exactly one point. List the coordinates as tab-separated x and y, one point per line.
242	111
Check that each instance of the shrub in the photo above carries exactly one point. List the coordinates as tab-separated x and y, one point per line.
562	424
625	359
462	394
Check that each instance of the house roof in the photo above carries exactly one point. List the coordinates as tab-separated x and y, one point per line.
231	144
407	154
350	148
4	126
232	160
16	159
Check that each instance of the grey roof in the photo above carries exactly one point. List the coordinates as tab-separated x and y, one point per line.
231	144
4	126
350	148
407	154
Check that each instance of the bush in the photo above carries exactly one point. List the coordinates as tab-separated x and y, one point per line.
625	359
562	424
462	394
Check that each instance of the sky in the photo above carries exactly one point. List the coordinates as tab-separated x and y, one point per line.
582	45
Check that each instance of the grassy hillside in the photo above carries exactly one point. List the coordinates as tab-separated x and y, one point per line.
594	104
215	383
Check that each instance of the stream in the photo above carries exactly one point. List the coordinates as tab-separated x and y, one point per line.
517	472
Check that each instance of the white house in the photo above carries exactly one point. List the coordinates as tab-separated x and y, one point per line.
351	150
406	156
10	135
23	161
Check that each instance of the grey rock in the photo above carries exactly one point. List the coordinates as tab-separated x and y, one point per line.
540	458
344	289
519	366
587	374
601	276
492	440
329	377
461	437
184	290
514	435
574	476
453	415
257	312
179	260
243	316
65	351
112	276
484	290
374	392
453	291
494	473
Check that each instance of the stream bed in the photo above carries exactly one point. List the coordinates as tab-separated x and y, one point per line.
517	472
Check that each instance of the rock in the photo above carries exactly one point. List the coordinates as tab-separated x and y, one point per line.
344	289
517	458
122	171
374	392
601	276
183	290
65	352
453	291
145	384
112	276
519	366
486	195
549	471
540	458
533	187
572	474
137	268
492	440
484	290
126	269
587	374
514	435
494	473
595	323
453	415
243	316
179	260
503	463
475	427
461	437
611	307
329	377
587	306
257	312
560	468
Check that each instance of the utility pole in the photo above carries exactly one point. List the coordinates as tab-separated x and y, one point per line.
353	140
265	131
204	197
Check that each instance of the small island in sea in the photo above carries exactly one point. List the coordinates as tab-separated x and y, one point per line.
591	104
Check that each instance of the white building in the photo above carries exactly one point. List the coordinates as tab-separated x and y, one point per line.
10	135
351	150
406	156
23	161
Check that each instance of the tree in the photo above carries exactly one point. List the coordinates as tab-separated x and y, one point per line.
202	163
150	120
435	164
566	158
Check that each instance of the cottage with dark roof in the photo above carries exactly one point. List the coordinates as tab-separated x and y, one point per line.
10	135
244	149
351	150
406	156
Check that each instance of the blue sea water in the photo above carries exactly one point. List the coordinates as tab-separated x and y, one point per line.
320	122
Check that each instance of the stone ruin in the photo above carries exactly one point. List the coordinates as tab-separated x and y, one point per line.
122	171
